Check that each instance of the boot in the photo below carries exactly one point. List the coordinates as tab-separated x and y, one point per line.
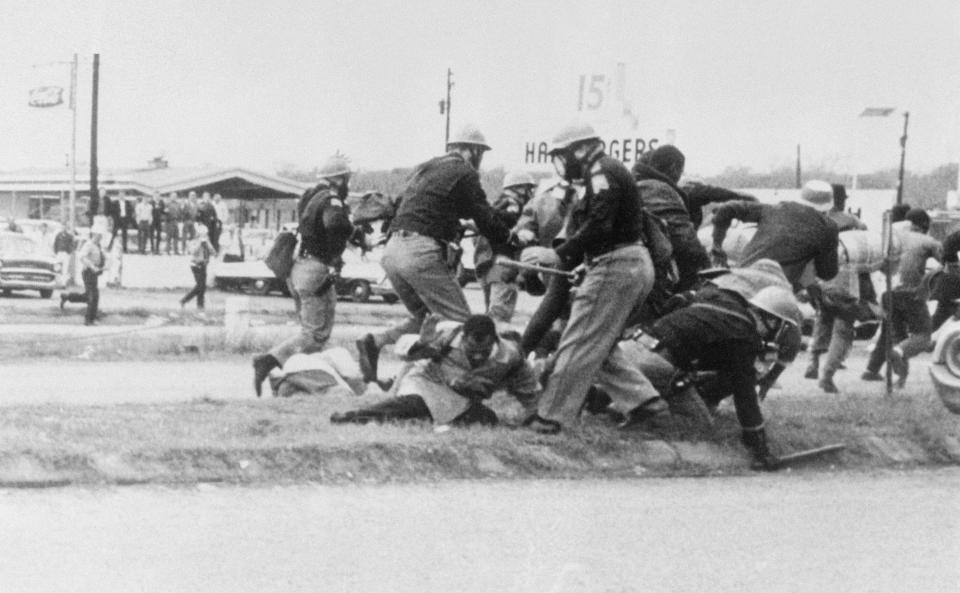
756	442
869	375
262	365
826	383
813	369
369	355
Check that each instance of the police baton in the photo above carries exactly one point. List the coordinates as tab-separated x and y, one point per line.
512	263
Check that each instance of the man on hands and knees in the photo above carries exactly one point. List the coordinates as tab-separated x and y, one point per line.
724	334
324	230
455	369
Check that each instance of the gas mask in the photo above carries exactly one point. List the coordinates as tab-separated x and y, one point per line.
567	165
476	157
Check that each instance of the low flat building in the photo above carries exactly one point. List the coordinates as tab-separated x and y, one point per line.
259	200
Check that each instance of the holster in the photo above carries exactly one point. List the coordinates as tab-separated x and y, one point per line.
452	252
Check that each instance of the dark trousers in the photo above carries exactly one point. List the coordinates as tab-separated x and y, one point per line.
200	285
911	327
144	235
156	237
119	225
412	407
91	295
214	230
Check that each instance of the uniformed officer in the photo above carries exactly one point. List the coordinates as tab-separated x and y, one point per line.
722	332
324	229
500	283
422	250
604	234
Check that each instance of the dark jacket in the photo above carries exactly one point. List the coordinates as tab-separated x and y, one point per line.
609	215
716	333
698	195
438	194
665	200
64	242
508	207
789	233
324	225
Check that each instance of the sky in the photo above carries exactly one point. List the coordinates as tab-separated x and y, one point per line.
268	85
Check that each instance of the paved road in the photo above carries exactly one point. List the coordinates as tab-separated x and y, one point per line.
850	532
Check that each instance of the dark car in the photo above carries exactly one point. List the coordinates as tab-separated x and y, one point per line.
23	265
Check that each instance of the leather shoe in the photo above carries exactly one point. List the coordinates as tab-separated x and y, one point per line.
542	425
871	376
262	365
369	355
827	385
655	410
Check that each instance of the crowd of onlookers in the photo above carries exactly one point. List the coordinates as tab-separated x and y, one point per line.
165	224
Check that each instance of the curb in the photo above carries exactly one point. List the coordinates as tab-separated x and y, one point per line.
379	463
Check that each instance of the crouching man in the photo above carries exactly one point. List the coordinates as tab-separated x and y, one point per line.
723	333
454	368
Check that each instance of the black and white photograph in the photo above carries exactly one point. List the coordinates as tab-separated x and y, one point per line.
439	296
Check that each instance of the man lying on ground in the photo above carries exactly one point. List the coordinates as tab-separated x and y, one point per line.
454	368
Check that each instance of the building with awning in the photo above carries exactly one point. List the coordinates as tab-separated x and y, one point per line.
256	199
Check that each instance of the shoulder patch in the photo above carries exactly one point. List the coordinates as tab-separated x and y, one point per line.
599	182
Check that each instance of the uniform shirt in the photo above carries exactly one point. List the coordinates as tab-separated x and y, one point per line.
505	369
609	215
508	207
789	233
544	214
714	333
438	194
324	224
223	213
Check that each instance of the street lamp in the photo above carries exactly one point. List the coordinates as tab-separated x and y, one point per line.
888	240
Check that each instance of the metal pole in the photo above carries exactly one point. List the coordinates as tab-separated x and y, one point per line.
446	138
887	332
72	218
799	176
94	192
903	156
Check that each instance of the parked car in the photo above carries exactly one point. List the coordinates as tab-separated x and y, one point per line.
25	266
945	365
360	278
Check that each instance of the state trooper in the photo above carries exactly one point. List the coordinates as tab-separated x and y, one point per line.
722	333
422	250
324	230
604	235
500	283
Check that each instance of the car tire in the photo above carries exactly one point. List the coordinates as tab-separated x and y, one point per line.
360	291
258	287
46	293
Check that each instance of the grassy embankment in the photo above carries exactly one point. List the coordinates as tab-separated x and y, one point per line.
292	440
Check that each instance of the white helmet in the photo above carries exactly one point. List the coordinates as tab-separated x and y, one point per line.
778	302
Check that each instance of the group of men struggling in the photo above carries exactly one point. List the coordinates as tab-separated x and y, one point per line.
638	323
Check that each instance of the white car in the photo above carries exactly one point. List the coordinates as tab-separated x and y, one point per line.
945	365
360	278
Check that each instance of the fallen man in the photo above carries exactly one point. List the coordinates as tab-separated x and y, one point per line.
453	369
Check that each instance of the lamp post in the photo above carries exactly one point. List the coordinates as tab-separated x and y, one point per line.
888	238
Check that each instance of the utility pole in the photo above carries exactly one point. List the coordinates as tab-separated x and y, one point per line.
73	144
903	156
94	192
799	183
445	108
